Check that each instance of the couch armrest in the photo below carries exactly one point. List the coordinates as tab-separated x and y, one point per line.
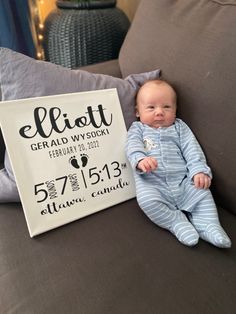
110	67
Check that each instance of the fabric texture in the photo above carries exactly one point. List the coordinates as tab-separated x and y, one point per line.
23	77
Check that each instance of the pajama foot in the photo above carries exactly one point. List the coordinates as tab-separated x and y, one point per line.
216	235
184	231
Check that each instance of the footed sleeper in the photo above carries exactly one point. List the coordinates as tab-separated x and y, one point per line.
167	195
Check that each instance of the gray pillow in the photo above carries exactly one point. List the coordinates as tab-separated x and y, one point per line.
23	77
8	188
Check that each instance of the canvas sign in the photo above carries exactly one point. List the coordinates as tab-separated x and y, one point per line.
67	154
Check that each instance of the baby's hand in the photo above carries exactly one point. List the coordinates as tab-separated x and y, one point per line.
202	181
147	164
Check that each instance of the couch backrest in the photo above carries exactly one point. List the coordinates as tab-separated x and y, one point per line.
194	43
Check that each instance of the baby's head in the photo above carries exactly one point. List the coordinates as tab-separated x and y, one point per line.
156	104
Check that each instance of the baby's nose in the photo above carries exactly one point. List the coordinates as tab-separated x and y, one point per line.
158	111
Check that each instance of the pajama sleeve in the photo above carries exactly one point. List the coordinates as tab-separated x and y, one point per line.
134	144
192	152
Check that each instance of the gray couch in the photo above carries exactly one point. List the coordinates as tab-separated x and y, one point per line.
118	261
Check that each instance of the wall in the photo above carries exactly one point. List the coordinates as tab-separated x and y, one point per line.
128	6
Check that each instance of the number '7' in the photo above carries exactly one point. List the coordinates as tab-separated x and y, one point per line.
65	178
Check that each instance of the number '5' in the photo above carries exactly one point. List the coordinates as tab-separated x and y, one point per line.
37	191
94	174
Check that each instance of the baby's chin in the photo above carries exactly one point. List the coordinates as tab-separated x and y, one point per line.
158	124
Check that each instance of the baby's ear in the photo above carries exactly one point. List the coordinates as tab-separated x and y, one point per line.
136	110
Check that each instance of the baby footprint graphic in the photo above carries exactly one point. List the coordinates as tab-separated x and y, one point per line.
74	162
84	159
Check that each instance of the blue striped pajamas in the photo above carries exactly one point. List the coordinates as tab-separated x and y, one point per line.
166	193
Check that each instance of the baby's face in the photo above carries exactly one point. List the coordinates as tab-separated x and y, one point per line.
156	105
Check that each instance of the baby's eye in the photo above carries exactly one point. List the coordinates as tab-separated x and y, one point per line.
167	106
150	107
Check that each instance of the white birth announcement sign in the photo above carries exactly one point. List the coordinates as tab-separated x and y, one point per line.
67	155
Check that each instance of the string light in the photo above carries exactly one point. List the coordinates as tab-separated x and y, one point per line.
37	26
40	52
39	55
40	37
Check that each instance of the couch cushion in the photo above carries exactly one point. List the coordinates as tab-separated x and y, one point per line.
113	262
110	67
193	42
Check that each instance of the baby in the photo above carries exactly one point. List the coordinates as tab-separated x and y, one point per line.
171	175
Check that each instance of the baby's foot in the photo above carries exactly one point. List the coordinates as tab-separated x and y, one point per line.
184	230
216	235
